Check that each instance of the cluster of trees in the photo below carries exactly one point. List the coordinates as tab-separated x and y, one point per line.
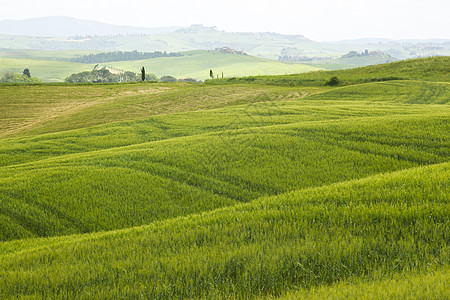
354	53
122	56
366	53
104	75
25	77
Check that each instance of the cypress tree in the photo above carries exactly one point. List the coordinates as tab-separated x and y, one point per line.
143	73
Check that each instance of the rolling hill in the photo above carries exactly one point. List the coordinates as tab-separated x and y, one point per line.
316	237
59	26
196	64
60	33
426	69
234	189
47	71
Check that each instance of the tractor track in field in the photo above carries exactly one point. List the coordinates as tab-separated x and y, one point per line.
53	113
48	115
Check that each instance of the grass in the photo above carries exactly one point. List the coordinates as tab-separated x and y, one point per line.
45	70
369	229
226	191
31	148
408	92
431	285
348	63
101	179
426	69
30	110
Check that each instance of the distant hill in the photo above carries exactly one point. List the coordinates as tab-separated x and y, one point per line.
113	38
65	26
61	33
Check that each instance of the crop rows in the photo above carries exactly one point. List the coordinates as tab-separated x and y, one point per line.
369	229
134	185
161	191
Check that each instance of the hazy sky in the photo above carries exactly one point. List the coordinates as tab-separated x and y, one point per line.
316	19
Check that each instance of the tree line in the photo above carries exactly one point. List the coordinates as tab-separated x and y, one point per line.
122	56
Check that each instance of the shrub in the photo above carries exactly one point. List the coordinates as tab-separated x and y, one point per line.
333	81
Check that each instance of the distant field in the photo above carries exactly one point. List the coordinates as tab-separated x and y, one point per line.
45	70
271	187
53	55
196	64
428	69
348	63
49	66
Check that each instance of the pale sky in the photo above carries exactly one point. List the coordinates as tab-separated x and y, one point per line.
320	20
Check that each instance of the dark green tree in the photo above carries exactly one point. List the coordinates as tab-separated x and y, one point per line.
27	73
211	74
143	73
333	81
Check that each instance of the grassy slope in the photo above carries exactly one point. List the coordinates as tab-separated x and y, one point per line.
428	69
380	99
408	92
365	229
386	226
30	110
431	285
348	63
32	148
216	163
44	109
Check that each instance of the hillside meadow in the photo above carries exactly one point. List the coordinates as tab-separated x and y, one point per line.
196	64
232	189
425	69
45	70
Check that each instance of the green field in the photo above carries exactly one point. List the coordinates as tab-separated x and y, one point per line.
55	66
228	190
45	70
196	64
426	69
348	63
